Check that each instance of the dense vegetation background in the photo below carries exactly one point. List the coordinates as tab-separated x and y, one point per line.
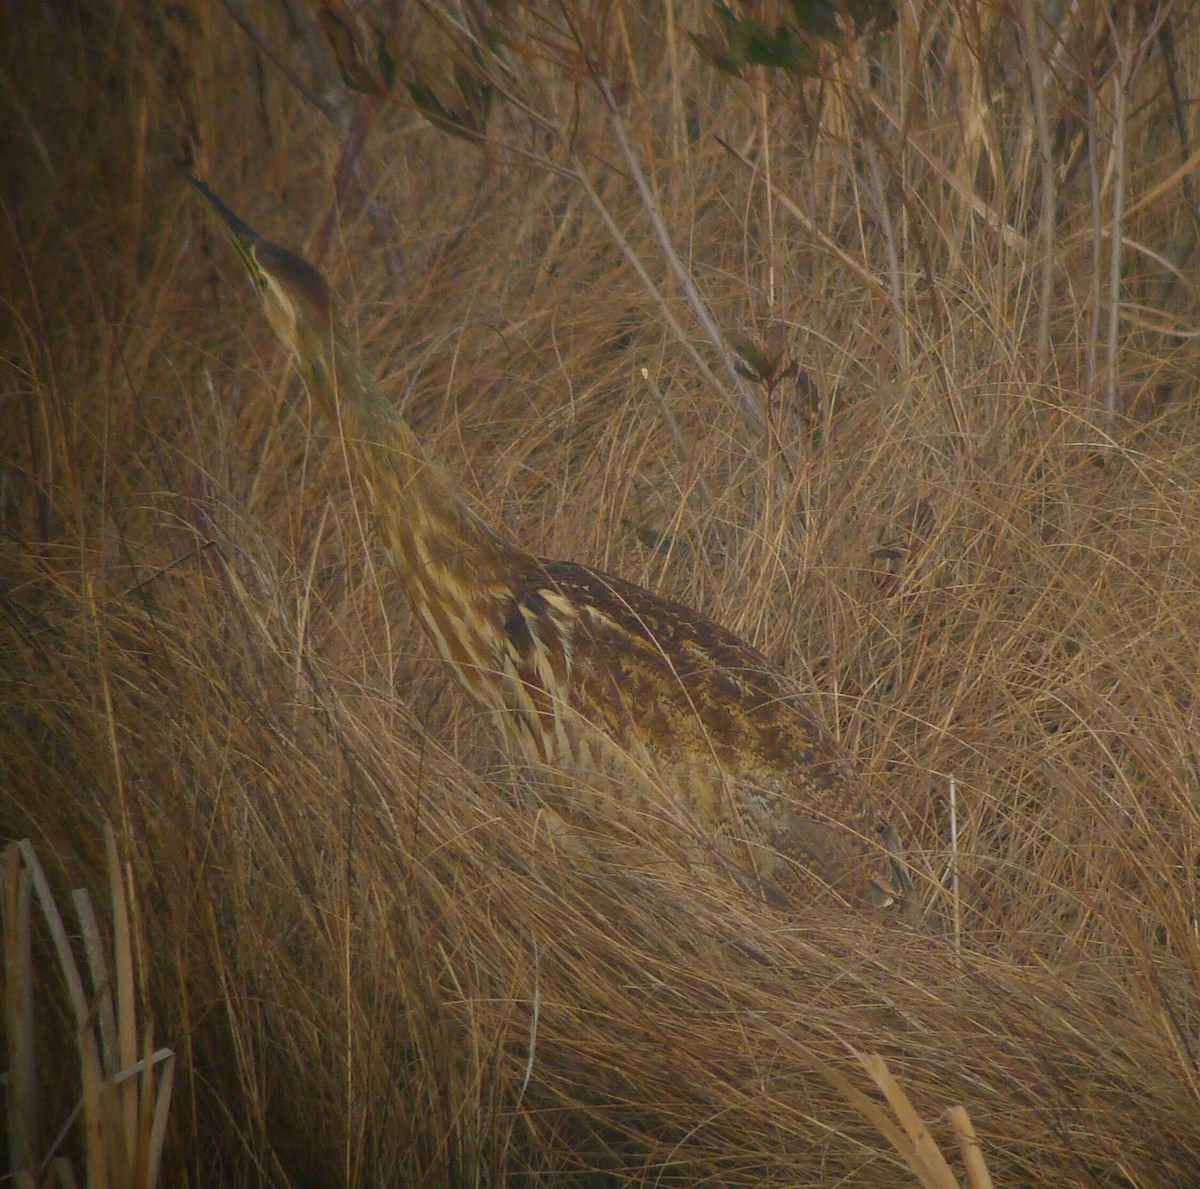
879	347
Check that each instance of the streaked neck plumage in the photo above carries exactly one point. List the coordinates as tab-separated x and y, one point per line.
458	573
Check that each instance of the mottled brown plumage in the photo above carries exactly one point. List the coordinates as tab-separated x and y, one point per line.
660	709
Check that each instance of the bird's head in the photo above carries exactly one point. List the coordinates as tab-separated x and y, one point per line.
297	299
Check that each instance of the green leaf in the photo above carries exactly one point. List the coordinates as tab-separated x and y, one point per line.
346	53
387	64
653	538
457	121
478	94
425	97
717	53
757	365
792	43
817	18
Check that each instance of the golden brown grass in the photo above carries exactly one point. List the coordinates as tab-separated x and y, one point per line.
373	966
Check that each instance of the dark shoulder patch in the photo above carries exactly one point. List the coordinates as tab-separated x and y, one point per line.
536	602
516	628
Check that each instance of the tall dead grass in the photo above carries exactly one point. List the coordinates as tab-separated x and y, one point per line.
973	525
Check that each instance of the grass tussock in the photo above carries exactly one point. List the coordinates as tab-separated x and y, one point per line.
892	370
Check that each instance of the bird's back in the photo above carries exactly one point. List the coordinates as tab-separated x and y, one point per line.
677	714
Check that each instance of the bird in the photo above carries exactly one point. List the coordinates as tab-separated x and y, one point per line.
665	711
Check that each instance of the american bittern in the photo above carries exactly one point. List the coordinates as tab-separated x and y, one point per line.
586	672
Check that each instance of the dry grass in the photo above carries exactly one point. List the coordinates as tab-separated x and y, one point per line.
125	1084
976	528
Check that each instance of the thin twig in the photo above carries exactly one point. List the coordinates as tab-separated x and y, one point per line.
535	1006
1046	224
883	216
1121	104
1095	294
868	278
686	461
331	111
751	405
956	899
643	276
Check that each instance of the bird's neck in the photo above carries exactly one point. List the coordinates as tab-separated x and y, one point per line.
446	556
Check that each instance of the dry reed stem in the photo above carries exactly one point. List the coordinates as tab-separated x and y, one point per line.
123	1103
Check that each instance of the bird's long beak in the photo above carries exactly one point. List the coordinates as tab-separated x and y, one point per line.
241	235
